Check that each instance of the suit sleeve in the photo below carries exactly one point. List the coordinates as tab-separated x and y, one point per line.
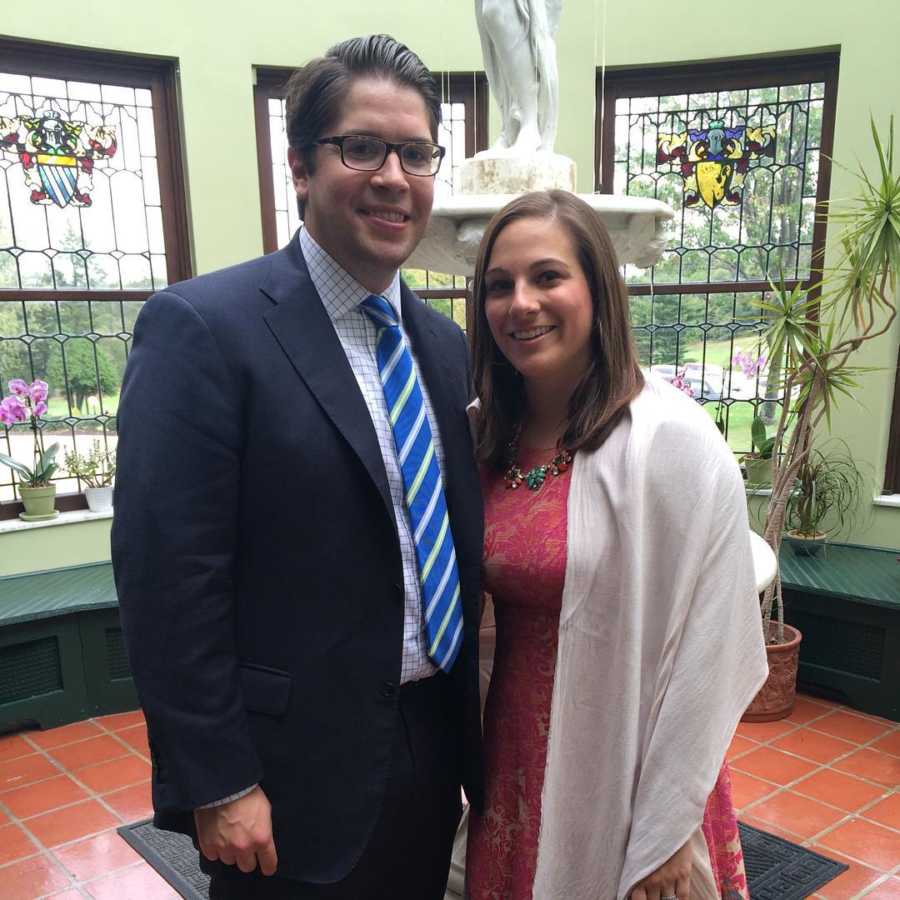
174	543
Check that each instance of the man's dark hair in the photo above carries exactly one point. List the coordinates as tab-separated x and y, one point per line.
316	93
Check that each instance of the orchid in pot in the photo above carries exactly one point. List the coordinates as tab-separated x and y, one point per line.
758	463
96	469
28	403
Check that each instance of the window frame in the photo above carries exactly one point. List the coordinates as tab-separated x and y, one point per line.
159	75
892	467
722	75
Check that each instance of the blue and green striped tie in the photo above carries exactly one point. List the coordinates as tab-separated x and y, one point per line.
429	520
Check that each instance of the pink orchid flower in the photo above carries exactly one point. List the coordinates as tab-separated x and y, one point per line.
678	381
12	410
38	391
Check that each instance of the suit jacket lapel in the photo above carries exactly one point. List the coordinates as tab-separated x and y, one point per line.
305	333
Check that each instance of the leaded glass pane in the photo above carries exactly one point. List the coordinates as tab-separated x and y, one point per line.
287	216
740	168
78	186
452	136
714	341
79	347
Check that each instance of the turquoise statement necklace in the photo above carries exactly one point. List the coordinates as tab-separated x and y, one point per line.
536	476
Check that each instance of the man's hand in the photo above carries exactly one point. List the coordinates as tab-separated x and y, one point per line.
239	832
671	879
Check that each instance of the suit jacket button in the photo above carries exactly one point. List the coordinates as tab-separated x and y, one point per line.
388	689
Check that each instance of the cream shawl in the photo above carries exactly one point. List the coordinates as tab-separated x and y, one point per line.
660	648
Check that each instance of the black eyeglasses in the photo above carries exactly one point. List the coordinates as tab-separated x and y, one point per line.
368	154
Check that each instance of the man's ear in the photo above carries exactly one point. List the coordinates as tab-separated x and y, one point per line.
299	173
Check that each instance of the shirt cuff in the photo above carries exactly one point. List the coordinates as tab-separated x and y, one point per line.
228	799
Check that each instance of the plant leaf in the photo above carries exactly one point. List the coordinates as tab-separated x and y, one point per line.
16	466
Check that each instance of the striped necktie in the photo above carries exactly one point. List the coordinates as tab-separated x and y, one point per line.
425	501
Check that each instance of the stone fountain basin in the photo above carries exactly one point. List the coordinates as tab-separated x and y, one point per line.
637	226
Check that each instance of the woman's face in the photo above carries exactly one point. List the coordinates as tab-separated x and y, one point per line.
538	303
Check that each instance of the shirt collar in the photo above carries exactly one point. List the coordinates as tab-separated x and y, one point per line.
340	292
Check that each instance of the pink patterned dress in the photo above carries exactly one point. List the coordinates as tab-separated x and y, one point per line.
524	570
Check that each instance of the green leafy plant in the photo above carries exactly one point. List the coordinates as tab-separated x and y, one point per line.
827	490
96	468
812	340
762	444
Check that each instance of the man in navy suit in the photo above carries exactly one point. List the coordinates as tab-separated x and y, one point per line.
264	554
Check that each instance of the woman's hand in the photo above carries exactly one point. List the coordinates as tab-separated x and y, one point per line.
671	880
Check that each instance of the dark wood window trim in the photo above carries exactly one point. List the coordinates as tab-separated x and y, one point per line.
159	75
270	83
469	88
892	470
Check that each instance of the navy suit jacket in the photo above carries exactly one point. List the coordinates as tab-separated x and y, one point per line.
257	561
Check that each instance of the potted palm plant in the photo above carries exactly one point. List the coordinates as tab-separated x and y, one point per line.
28	403
96	469
812	342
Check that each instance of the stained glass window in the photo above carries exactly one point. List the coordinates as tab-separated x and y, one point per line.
91	223
79	192
739	152
462	132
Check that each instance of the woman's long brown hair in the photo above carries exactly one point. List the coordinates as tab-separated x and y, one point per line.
613	378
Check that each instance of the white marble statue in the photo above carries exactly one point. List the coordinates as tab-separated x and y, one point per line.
518	41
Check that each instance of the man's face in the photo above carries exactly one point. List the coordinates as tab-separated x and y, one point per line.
368	222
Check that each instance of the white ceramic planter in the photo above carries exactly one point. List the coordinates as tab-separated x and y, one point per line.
99	499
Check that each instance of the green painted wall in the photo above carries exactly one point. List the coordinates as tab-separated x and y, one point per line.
53	547
218	46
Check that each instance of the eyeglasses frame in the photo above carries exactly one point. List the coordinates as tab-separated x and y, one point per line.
389	147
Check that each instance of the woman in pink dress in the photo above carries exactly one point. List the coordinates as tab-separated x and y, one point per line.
617	554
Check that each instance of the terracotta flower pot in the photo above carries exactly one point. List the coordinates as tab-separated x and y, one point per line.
776	697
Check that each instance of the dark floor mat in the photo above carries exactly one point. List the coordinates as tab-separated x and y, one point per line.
776	868
780	870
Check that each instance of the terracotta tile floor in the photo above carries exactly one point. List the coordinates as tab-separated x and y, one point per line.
827	777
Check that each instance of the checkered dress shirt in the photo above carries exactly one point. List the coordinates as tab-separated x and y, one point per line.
341	296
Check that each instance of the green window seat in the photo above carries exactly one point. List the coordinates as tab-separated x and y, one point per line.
846	602
62	657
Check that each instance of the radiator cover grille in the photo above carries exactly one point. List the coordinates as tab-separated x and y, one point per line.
116	655
29	670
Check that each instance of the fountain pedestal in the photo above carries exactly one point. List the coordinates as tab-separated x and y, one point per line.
496	172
